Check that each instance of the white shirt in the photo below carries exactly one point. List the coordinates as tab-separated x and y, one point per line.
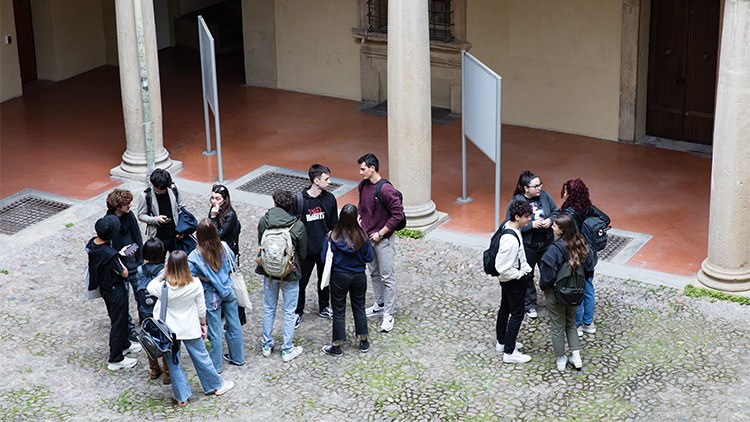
509	255
184	306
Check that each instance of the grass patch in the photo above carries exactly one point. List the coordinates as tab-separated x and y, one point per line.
4	271
69	225
127	401
410	233
713	295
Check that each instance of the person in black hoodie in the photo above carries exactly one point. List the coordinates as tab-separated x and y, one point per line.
317	209
118	204
352	250
108	274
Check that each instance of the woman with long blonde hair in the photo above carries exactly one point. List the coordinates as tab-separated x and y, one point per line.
212	262
569	246
186	317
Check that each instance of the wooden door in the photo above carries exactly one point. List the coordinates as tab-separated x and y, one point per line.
25	40
682	69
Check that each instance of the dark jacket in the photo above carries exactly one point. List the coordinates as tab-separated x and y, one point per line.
277	217
345	258
229	232
552	261
550	211
579	217
319	215
104	266
129	233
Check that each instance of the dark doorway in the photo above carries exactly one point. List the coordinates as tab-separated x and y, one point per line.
682	69
25	40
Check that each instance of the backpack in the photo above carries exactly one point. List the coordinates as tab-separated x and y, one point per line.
594	230
569	284
488	259
378	187
276	252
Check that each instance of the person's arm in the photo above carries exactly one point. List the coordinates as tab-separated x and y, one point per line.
395	208
333	214
324	249
200	304
367	252
599	213
506	261
230	221
301	239
553	208
143	215
549	265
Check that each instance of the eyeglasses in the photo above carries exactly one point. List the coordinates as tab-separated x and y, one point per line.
539	186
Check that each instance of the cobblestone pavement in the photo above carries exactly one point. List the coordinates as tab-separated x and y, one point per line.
657	355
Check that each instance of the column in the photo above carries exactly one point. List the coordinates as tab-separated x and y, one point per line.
133	163
409	110
728	264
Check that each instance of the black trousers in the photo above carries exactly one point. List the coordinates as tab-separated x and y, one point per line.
511	313
312	260
117	309
356	285
534	253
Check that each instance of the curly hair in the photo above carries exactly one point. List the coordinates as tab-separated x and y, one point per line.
573	239
117	198
578	196
519	208
283	199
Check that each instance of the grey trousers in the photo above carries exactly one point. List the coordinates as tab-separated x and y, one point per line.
383	273
562	324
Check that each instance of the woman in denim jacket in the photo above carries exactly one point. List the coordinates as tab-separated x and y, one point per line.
212	262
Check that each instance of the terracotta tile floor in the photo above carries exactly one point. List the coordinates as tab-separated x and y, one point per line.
64	138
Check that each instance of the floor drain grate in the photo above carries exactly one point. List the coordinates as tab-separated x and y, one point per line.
26	212
268	182
615	244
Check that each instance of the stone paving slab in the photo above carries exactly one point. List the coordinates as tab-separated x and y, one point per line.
657	354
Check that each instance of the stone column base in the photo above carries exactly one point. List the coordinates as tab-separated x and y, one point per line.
138	172
728	280
423	217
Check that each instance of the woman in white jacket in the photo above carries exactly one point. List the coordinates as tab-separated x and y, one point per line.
186	317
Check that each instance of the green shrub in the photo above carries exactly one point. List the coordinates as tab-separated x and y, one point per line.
713	295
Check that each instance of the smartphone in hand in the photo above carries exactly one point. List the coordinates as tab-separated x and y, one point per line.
132	248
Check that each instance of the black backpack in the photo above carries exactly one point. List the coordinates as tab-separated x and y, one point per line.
401	224
594	230
488	258
569	284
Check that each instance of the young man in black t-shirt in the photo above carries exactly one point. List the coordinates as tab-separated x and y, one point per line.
159	209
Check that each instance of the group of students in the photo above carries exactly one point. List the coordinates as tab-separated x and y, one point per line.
538	233
200	292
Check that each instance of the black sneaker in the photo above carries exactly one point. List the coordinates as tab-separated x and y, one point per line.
364	346
326	312
298	322
332	350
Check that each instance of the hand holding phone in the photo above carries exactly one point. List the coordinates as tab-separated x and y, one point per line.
131	249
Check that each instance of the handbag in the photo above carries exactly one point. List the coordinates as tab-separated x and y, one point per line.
186	222
238	285
155	336
325	280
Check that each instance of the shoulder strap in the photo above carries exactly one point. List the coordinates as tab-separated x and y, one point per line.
149	210
164	299
379	188
176	193
299	202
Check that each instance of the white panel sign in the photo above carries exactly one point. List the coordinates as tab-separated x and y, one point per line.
481	105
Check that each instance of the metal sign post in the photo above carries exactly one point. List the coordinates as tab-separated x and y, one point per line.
210	92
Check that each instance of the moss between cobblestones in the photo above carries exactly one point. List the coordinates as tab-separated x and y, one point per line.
29	404
713	295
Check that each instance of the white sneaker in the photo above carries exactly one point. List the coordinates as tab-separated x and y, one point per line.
531	313
561	362
374	310
135	347
287	356
575	359
387	324
501	347
228	385
580	331
589	329
126	362
267	351
516	357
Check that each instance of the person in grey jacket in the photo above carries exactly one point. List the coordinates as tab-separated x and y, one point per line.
159	208
537	234
280	217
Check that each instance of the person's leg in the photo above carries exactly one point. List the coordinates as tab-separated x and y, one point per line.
386	251
501	326
291	292
117	309
233	334
213	321
516	292
357	293
204	368
588	302
532	257
570	327
375	278
339	284
557	323
307	266
270	301
131	285
180	384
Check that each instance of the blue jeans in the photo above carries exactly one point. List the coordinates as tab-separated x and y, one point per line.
270	301
215	305
210	379
585	311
